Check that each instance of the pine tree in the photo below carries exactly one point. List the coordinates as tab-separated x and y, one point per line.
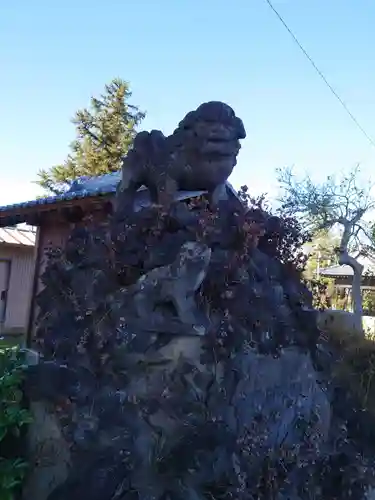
104	134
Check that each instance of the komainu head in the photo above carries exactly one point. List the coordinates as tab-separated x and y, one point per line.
206	142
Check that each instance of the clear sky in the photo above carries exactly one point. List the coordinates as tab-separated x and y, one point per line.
177	54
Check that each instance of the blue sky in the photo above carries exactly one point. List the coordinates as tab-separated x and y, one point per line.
177	54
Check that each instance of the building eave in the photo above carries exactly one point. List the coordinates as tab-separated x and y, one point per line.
30	212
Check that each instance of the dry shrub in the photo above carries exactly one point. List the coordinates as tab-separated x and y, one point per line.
355	367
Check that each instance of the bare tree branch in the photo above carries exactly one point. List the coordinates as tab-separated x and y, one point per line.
344	202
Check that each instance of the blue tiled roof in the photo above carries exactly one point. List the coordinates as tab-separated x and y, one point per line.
81	188
85	187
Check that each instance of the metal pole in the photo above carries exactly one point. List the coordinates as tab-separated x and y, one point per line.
318	264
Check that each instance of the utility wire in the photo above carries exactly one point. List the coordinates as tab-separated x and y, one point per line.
353	118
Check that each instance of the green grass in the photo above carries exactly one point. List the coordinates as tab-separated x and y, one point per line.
11	341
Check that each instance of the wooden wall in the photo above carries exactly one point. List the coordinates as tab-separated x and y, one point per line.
22	263
54	230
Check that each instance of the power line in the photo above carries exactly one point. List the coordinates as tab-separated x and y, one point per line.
334	92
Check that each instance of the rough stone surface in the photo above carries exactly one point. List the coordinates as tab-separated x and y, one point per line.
282	392
147	408
48	453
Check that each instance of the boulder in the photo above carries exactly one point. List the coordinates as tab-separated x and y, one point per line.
179	346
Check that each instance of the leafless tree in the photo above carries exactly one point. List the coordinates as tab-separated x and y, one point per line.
344	201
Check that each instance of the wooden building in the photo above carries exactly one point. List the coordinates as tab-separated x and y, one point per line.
342	277
53	217
16	277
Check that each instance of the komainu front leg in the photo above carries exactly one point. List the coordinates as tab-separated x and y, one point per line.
124	200
166	189
186	309
144	305
189	314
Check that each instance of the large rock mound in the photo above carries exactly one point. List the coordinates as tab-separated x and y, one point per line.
181	357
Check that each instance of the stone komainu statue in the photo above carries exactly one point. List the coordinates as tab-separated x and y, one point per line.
175	283
199	155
